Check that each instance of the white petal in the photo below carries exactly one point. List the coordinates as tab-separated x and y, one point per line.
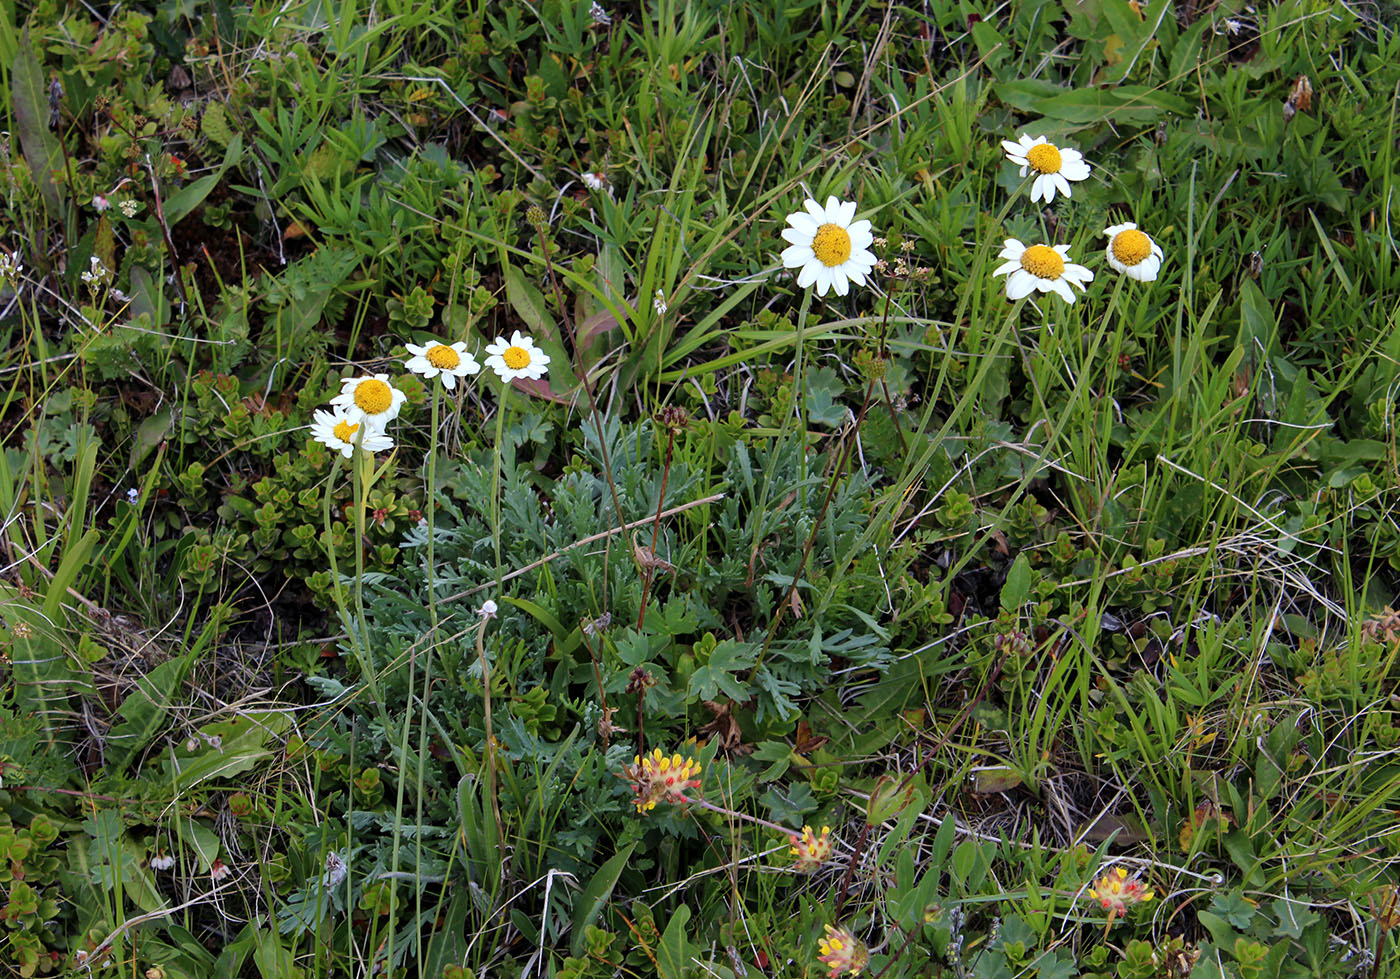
1078	274
449	381
1042	188
838	280
1011	266
861	240
1075	170
859	228
1021	284
1114	263
1013	249
1025	166
1012	149
1061	183
1113	230
808	275
856	275
794	237
1060	250
413	348
803	223
797	255
816	210
1062	287
847	214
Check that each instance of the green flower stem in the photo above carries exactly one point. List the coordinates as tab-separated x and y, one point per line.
496	479
799	398
356	632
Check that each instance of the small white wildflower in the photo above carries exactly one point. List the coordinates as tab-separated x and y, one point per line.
593	181
129	207
487	610
219	870
659	303
1233	26
97	273
163	861
10	267
599	15
100	203
132	495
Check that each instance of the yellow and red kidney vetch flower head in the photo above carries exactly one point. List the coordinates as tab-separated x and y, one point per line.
1117	891
659	778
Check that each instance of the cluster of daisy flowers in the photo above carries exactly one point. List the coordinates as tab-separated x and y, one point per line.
830	249
1047	268
360	414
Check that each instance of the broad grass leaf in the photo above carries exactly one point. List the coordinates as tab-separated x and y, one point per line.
29	97
595	894
1138	105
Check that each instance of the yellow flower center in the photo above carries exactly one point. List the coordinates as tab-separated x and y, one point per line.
1043	262
344	430
831	245
1131	247
373	396
516	358
1044	158
442	357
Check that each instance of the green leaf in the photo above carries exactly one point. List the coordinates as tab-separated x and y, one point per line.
1139	105
273	961
1293	917
225	749
595	894
200	840
1018	584
179	205
29	98
728	658
143	709
674	952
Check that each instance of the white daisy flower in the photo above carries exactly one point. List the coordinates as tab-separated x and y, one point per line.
1041	267
439	359
517	357
1131	252
1055	166
372	400
828	247
334	430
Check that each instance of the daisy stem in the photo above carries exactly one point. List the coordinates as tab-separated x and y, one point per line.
490	752
428	572
799	395
496	478
355	633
